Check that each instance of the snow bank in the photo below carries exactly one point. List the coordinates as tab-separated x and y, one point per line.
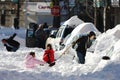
107	39
7	32
12	63
73	21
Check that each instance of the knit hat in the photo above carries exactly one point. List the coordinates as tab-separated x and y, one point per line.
3	39
92	34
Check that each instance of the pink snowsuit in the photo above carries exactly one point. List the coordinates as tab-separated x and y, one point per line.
30	61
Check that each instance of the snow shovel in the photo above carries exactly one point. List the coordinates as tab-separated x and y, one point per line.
74	42
108	54
64	52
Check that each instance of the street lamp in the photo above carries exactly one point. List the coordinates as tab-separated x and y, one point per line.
3	14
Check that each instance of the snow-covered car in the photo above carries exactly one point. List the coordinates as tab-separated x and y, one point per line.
65	29
82	29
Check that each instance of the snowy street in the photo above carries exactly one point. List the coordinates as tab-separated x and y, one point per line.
12	65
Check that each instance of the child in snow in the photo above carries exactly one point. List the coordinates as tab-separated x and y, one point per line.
48	56
31	62
10	44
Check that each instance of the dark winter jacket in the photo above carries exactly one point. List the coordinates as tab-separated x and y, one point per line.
83	43
12	44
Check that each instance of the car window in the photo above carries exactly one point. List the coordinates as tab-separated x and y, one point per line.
67	31
66	38
63	32
30	33
59	33
53	32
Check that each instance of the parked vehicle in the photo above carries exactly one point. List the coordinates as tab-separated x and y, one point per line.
65	29
81	29
30	34
30	38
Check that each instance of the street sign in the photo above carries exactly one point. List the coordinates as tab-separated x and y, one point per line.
55	10
43	8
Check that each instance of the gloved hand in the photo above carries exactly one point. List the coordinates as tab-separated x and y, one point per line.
52	64
41	64
73	42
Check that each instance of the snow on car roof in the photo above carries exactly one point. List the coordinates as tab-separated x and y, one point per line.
83	28
73	21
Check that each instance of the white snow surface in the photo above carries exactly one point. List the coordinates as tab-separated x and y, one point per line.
12	63
73	21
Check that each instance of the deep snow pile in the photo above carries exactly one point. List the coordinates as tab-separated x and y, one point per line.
12	63
73	21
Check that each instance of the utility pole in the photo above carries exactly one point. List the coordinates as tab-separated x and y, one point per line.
18	14
18	10
119	2
16	20
26	5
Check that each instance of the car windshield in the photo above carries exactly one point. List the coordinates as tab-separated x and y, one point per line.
63	32
67	31
60	31
66	38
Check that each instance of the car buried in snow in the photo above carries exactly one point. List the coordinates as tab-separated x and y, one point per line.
65	29
81	29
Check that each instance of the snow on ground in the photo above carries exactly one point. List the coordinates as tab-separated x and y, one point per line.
12	63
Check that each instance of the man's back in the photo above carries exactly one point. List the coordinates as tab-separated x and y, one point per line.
82	44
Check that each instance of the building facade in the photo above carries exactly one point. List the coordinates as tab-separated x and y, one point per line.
8	11
87	10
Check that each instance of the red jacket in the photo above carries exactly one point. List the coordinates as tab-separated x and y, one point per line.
48	56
